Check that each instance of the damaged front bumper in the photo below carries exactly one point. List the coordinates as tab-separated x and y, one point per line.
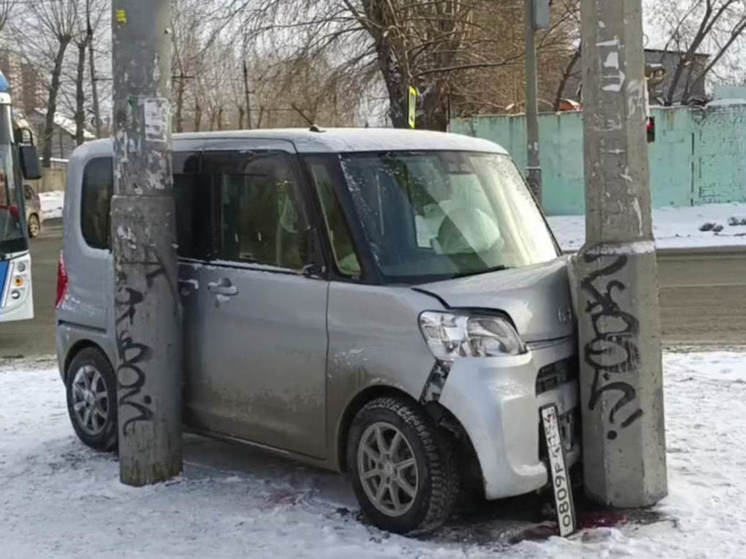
497	401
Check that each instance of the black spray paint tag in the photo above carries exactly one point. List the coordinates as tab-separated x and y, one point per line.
559	476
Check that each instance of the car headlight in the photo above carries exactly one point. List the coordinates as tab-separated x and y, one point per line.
452	335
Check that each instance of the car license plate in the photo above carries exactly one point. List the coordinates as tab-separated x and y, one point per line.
558	474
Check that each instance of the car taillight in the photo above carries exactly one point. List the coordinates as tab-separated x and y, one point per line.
62	279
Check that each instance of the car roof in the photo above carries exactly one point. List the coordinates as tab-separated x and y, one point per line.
341	140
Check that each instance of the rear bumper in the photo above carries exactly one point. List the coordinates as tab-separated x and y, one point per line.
496	402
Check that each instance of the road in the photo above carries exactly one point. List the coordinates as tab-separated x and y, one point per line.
702	294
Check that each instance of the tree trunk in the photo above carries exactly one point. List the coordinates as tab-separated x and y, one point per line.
179	111
395	86
92	64
669	98
54	89
434	105
704	26
432	113
246	94
687	84
80	95
565	76
197	115
241	113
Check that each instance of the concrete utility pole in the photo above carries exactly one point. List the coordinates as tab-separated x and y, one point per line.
533	167
615	272
143	236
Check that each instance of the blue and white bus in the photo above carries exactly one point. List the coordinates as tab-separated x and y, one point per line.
18	161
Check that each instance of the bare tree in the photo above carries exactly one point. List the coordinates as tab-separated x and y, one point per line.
6	8
566	73
48	28
437	46
712	25
197	26
95	11
83	39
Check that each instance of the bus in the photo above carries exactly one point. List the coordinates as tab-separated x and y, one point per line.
18	161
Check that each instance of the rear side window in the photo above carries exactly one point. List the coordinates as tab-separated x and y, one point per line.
191	192
232	205
257	214
195	207
98	184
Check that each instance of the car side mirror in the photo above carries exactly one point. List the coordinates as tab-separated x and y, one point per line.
29	162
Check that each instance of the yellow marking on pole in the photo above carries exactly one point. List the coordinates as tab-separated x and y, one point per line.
121	16
412	105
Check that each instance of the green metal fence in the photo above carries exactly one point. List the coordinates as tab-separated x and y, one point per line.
698	157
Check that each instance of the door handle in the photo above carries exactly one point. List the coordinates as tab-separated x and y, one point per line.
188	286
223	287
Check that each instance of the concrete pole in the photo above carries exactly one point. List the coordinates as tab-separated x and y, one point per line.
533	167
148	318
616	284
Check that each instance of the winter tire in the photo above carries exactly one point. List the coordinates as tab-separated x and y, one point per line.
403	468
91	399
34	227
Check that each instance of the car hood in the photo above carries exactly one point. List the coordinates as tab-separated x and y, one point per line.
537	298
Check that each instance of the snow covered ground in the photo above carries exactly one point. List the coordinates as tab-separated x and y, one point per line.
672	227
51	204
60	499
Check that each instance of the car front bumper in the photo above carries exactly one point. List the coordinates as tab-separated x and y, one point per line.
496	401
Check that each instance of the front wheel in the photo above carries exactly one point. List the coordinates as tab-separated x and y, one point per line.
403	468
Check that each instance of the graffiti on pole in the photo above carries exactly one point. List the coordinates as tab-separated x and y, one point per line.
612	353
132	353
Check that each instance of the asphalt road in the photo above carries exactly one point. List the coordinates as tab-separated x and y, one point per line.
702	294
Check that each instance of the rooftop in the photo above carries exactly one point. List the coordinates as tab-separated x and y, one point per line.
355	139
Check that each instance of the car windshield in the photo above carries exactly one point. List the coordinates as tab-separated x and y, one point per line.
12	238
436	214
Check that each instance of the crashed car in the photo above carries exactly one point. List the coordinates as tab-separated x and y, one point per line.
386	303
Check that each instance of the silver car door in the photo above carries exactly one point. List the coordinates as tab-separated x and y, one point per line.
194	235
262	336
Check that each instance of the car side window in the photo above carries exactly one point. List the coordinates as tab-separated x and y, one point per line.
194	207
258	217
336	225
98	184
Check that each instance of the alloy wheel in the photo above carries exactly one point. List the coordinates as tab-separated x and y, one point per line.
387	468
90	400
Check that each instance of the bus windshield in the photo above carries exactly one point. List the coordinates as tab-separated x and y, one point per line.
12	237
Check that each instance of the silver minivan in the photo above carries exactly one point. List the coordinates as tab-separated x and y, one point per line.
386	303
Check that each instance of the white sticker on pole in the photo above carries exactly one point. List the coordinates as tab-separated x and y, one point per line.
558	474
156	112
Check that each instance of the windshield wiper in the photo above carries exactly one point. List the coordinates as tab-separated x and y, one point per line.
485	271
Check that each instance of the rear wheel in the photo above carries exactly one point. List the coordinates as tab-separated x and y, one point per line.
91	399
34	226
403	468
